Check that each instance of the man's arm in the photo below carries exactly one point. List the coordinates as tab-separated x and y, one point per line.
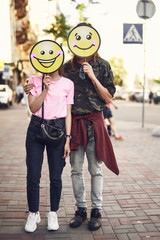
102	92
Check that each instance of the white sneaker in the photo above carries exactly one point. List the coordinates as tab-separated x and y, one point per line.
32	220
52	221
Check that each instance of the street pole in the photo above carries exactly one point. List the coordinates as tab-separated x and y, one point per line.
144	71
145	9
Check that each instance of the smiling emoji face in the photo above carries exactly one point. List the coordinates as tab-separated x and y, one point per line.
83	41
46	56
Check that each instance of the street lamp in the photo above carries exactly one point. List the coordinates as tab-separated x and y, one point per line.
145	9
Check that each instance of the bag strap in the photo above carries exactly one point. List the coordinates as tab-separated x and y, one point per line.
43	101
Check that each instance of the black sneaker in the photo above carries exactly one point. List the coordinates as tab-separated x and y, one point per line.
80	216
95	220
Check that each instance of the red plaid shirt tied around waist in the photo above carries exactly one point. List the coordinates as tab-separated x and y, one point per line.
104	148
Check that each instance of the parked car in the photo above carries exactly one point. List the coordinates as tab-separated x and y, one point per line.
156	97
121	93
6	95
138	95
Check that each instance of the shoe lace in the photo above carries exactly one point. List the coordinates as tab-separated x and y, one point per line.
95	213
80	211
31	218
52	217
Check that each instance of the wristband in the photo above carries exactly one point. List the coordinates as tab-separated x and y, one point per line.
67	135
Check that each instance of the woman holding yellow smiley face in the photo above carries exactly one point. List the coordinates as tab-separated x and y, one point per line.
58	93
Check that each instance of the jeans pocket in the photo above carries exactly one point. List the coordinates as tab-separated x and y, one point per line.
60	123
34	127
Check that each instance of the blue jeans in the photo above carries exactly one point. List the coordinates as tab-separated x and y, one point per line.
34	160
95	170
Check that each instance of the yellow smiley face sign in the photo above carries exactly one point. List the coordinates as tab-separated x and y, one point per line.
47	56
83	41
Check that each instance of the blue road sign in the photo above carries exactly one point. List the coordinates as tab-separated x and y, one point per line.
133	33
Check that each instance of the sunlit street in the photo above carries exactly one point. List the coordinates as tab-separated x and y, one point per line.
79	120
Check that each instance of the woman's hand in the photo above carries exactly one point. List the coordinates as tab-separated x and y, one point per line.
67	149
46	82
87	68
28	87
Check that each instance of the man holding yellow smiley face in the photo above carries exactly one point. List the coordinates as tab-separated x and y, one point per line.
94	87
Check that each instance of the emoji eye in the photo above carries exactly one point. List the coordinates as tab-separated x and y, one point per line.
78	37
51	52
42	52
88	37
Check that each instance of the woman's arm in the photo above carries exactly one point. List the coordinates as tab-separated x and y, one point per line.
102	92
36	103
68	121
28	86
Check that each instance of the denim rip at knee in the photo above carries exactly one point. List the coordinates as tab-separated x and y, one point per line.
95	169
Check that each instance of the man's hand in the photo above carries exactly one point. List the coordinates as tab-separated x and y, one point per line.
87	68
102	92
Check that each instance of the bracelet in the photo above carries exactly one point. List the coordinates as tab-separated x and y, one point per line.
67	135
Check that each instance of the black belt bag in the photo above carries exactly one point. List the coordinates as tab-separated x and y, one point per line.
49	134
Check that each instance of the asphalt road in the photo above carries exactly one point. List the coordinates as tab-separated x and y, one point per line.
127	111
132	111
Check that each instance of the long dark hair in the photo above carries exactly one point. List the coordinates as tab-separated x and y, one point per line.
75	58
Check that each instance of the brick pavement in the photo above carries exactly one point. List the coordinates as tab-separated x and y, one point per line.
131	200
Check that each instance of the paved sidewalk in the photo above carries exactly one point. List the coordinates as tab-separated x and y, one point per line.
131	209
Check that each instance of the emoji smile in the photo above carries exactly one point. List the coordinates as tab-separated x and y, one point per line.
84	48
47	63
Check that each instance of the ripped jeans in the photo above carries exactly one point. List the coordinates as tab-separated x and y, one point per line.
95	170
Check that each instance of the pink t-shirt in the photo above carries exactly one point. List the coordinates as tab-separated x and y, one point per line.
60	94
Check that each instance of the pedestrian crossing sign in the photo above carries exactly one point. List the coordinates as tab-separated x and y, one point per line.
132	33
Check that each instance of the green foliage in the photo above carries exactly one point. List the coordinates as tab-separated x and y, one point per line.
80	8
90	1
157	80
118	69
59	29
